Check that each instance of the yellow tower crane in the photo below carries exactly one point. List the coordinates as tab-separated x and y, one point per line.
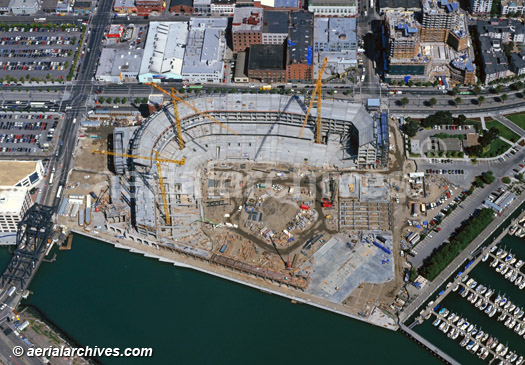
157	160
317	93
175	97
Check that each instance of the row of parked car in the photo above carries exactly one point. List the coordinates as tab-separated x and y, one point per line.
453	127
38	66
36	41
40	30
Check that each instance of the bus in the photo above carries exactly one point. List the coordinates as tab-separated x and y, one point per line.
59	192
195	86
37	104
39	20
11	291
51	178
466	93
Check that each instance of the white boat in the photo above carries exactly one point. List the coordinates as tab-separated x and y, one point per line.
502	317
500	252
519	264
483	290
464	293
513	357
489	293
503	301
455	288
505	350
464	342
485	354
470	328
475	348
508	258
513	229
470	344
484	258
451	316
512	308
522	285
442	325
455	335
483	306
437	322
512	261
509	303
493	248
470	297
493	312
509	274
498	269
499	348
489	308
513	277
460	322
512	324
494	344
446	328
518	281
485	336
494	263
504	270
517	328
480	335
479	302
519	361
469	281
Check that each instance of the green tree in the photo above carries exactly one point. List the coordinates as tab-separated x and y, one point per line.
101	100
124	100
411	127
116	100
520	176
458	101
477	90
506	180
404	102
481	100
504	97
432	102
499	88
144	100
109	100
137	101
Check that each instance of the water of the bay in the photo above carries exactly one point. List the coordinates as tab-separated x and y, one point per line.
102	296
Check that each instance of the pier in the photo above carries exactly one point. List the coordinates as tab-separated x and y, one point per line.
427	345
462	332
498	306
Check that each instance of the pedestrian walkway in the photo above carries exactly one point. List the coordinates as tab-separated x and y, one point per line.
483	123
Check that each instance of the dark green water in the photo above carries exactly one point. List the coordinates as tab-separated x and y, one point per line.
104	296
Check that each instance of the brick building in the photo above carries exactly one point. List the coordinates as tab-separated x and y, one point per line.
146	7
299	61
247	28
181	6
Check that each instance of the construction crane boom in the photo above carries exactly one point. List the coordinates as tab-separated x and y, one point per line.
317	92
163	191
176	98
149	158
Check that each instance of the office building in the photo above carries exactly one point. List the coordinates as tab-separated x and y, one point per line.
247	28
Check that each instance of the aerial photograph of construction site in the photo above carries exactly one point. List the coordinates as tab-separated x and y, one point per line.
244	187
223	181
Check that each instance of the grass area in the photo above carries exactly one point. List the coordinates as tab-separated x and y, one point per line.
497	147
518	119
503	130
475	123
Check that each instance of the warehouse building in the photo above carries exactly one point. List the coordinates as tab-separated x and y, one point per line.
266	63
21	173
205	49
164	52
119	65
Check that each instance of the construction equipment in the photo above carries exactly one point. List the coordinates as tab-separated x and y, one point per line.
316	94
176	98
157	160
286	263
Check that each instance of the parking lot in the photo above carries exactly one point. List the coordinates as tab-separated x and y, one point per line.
37	53
24	133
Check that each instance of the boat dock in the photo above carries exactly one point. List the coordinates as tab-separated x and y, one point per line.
474	338
505	264
501	306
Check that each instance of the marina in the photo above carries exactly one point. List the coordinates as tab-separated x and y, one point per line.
488	300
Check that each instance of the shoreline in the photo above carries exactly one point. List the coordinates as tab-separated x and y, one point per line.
264	289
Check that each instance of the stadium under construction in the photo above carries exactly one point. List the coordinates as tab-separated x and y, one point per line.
255	128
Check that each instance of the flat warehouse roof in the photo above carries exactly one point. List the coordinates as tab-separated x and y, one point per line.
12	172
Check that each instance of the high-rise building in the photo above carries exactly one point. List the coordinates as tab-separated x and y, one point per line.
403	32
439	16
